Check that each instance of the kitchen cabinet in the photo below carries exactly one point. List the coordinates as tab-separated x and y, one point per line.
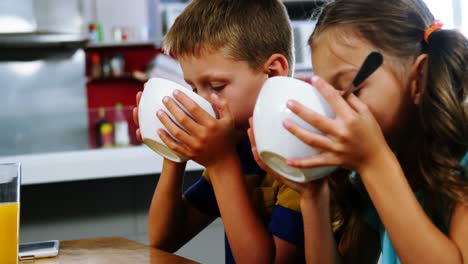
107	91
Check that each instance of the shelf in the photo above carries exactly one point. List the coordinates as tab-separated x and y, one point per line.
90	164
41	40
125	77
104	45
39	46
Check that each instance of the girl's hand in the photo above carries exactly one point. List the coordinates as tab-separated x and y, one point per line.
351	140
314	189
205	139
135	117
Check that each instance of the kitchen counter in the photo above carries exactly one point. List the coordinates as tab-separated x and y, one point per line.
90	164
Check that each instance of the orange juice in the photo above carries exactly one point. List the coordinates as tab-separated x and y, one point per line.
9	220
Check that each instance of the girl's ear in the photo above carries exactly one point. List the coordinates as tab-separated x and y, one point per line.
276	65
418	78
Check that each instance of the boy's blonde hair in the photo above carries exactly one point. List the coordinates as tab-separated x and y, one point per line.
246	30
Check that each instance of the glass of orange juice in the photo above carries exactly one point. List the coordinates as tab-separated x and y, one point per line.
10	182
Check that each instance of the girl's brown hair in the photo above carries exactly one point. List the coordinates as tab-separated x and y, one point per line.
397	28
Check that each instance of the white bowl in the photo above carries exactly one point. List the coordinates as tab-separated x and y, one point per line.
154	91
274	142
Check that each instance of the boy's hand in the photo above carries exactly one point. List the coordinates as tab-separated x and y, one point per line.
306	190
135	117
205	139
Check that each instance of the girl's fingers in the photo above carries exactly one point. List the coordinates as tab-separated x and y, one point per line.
257	158
254	147
251	134
333	96
259	161
320	122
318	160
251	137
172	143
312	139
198	113
180	115
173	128
356	104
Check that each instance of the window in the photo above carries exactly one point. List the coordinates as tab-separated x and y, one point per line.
464	16
453	13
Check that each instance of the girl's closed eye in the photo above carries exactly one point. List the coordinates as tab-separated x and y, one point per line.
194	90
358	89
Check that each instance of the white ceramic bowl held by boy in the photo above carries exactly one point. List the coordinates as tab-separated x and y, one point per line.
274	142
151	102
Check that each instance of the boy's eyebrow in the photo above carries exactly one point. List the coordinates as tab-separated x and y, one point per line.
205	77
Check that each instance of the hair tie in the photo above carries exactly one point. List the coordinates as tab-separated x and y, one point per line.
436	26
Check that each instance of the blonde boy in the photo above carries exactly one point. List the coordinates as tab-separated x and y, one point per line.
227	49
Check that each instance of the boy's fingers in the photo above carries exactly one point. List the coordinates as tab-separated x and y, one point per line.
333	96
138	135
198	113
138	98
135	116
173	128
182	117
172	143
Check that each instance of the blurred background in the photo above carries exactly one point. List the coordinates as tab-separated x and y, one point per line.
69	72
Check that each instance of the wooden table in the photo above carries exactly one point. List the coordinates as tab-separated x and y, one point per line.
112	250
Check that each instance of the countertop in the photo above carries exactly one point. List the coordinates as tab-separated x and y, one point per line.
89	164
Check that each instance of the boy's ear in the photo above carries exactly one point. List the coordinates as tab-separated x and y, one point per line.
276	65
418	78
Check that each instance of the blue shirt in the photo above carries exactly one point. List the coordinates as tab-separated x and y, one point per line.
277	204
389	255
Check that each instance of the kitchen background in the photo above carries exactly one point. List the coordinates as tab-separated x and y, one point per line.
69	72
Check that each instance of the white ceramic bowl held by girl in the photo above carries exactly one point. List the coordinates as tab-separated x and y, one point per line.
274	142
151	102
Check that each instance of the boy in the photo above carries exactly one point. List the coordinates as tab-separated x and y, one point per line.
227	49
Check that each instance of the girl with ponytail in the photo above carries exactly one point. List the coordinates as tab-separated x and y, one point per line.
401	141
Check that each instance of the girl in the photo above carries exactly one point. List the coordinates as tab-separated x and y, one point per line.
403	136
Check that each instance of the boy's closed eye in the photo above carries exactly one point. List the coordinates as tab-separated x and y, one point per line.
217	87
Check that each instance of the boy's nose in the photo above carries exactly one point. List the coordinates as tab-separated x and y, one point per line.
205	95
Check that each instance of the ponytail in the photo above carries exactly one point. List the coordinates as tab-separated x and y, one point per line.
443	100
397	28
